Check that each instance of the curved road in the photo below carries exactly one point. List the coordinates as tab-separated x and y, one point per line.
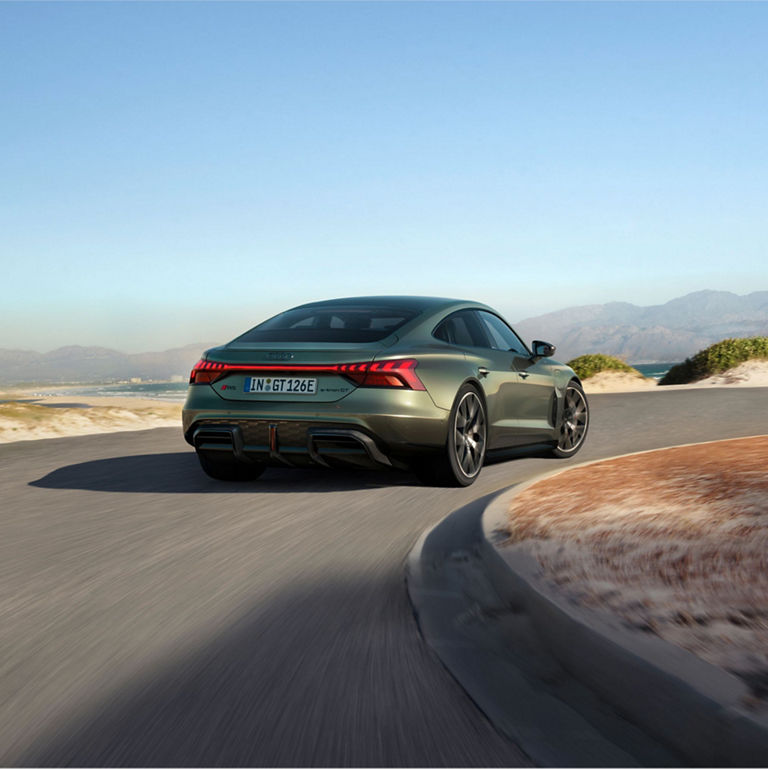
150	616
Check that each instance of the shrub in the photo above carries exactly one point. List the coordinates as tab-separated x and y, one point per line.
717	358
586	366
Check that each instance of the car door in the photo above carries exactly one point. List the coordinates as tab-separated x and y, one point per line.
493	368
529	400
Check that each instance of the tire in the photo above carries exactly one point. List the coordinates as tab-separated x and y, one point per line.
228	469
574	422
460	462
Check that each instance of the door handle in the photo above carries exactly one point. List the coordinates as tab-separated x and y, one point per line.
483	371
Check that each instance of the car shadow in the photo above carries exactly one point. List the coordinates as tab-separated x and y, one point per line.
534	451
330	672
175	473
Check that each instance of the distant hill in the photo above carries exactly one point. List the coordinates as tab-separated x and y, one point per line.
666	332
96	364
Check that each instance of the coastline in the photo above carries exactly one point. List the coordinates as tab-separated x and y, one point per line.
168	390
751	373
32	412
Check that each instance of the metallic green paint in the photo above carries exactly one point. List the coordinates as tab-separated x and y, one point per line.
523	394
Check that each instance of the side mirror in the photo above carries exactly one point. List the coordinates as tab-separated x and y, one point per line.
542	349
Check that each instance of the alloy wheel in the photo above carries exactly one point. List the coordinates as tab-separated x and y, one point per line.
573	427
469	434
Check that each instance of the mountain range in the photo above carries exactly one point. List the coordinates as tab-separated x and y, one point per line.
97	364
667	332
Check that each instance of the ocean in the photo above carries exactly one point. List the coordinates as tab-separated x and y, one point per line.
653	370
177	391
166	391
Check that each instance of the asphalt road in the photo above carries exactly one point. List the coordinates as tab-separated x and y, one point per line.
151	616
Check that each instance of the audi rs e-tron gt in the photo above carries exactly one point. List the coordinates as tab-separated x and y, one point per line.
432	385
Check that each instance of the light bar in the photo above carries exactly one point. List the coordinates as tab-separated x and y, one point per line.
385	373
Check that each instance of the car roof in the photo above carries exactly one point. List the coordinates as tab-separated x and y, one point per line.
414	303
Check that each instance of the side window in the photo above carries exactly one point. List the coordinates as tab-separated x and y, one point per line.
462	329
502	336
441	332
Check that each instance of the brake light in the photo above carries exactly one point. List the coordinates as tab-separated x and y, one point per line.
206	371
384	373
354	371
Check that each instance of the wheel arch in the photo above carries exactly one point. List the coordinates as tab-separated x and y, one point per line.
561	385
475	382
573	380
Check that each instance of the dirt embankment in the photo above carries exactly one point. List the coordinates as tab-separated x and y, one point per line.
674	542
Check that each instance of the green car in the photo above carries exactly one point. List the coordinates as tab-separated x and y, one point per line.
420	383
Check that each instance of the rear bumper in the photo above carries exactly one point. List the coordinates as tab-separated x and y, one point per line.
369	427
327	446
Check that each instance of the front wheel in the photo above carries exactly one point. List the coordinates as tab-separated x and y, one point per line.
574	422
461	460
229	469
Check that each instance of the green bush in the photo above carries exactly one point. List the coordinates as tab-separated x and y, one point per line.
586	366
717	358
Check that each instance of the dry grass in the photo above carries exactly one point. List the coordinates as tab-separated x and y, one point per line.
674	542
24	421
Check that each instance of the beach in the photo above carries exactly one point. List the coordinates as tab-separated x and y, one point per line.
751	373
34	413
56	411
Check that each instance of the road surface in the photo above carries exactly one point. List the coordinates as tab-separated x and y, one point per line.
151	616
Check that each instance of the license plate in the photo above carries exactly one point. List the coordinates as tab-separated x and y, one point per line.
287	385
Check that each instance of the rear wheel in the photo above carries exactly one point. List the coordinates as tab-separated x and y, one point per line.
462	458
574	422
229	469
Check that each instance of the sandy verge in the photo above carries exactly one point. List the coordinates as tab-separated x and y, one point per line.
751	373
617	381
673	542
25	417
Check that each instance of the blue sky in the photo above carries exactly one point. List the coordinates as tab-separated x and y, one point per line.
176	172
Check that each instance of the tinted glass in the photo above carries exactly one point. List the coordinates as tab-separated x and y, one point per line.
501	335
330	324
462	329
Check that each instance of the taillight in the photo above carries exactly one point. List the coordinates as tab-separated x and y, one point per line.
384	373
206	371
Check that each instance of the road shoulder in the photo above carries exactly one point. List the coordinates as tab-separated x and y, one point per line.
473	595
490	645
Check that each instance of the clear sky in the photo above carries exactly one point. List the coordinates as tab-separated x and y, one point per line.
172	173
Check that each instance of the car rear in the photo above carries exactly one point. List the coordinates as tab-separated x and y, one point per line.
321	384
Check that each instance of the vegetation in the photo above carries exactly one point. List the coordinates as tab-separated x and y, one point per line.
586	366
717	358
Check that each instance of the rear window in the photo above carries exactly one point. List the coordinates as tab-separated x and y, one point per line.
330	324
